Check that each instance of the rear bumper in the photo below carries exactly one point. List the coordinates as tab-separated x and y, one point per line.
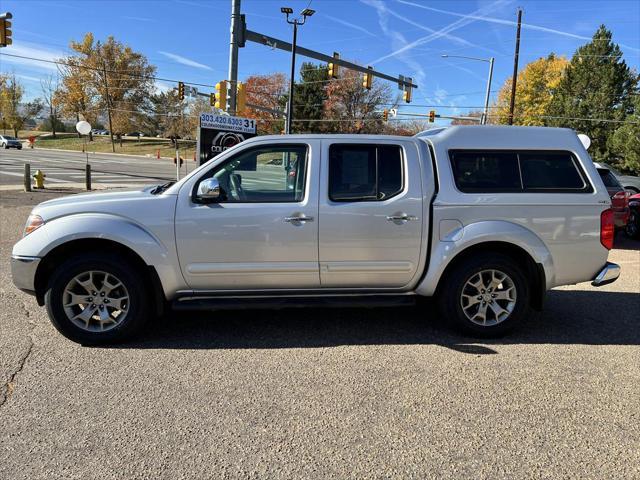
23	272
609	273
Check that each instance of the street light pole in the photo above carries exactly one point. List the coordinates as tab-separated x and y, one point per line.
307	12
491	60
486	98
287	128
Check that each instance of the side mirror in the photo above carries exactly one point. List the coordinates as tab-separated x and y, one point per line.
208	190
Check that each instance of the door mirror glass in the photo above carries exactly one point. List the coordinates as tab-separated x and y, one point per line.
208	190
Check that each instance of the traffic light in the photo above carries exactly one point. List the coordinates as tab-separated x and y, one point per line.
180	91
432	116
221	95
406	96
385	115
5	32
333	67
241	98
367	80
212	99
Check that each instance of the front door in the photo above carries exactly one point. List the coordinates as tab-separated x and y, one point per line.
371	215
263	233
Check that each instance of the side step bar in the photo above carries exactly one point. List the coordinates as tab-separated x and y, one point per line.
243	302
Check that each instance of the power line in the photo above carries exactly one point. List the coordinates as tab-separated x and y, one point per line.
120	72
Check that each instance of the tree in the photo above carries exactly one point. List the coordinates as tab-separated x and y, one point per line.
597	84
267	91
111	76
14	113
51	101
534	91
625	141
352	108
309	96
76	96
164	114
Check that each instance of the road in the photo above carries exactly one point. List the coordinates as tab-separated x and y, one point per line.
382	393
63	168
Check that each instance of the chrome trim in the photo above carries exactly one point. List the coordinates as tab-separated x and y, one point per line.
23	271
609	273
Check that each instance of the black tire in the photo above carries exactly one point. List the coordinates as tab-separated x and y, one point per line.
632	228
451	289
137	309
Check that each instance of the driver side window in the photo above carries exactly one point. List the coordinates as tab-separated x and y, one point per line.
263	174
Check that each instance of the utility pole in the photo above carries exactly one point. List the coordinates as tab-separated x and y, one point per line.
106	88
512	106
307	12
233	55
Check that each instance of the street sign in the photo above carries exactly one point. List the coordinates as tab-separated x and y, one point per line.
220	132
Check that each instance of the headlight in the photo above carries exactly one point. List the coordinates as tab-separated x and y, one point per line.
33	223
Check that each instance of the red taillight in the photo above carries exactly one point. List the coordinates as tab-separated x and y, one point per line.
620	200
607	229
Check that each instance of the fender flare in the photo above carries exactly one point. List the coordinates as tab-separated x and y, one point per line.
116	228
443	252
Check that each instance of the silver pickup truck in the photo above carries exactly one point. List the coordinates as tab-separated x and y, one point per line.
484	218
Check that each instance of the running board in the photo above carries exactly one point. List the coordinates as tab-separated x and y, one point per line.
243	302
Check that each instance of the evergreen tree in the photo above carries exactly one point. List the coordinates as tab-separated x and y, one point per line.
625	142
598	84
308	98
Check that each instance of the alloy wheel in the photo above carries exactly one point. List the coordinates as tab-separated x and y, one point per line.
488	297
96	301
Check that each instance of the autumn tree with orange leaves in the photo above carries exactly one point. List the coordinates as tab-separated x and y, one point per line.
267	91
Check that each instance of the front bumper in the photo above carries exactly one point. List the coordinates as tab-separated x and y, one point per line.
609	273
23	272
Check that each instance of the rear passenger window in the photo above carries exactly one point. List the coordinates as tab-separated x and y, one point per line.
517	171
550	170
364	172
486	171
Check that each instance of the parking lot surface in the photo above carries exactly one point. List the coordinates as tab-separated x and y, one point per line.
350	393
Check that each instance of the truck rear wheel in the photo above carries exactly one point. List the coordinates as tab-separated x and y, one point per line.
485	296
96	299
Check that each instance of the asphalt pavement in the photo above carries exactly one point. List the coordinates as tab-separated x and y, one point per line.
351	393
66	168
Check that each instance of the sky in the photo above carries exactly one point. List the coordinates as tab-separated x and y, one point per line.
188	40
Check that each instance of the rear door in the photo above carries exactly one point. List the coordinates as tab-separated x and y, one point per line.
371	214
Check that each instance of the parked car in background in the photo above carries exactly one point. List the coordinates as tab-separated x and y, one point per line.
135	134
619	196
10	142
628	182
484	218
633	224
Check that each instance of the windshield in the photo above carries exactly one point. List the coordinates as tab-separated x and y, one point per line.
9	138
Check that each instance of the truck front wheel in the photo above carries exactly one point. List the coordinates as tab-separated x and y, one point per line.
96	299
485	296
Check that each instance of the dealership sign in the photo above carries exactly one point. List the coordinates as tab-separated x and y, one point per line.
219	132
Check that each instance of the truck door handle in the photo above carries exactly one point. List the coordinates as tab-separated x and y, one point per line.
298	218
401	217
